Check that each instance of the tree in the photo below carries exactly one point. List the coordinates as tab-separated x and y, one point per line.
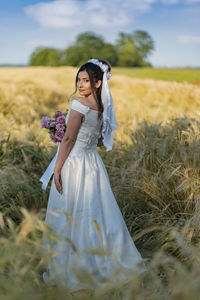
90	39
128	56
45	57
134	48
130	50
144	44
89	45
109	52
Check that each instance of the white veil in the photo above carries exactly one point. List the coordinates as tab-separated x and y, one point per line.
109	117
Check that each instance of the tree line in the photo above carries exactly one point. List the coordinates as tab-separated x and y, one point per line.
130	50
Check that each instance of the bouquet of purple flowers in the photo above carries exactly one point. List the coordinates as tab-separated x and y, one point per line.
56	126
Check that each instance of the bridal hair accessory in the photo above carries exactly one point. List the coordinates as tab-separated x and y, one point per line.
104	67
109	117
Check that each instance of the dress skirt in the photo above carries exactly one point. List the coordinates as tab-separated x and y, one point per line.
92	234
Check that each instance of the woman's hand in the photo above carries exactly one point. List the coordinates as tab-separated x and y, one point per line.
100	142
58	181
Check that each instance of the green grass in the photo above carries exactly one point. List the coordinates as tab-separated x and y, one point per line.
188	75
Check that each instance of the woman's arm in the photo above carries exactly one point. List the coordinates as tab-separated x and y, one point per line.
68	141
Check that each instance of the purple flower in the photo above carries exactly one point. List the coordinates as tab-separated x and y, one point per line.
45	122
56	126
60	127
60	120
53	139
59	134
57	114
52	124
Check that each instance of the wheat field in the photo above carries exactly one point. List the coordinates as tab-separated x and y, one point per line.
154	170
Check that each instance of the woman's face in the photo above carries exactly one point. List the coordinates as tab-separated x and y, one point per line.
83	84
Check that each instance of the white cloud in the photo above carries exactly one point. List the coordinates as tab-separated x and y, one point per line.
189	39
92	13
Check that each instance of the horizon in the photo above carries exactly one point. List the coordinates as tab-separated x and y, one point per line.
154	67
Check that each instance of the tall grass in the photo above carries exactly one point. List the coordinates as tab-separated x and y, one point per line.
153	169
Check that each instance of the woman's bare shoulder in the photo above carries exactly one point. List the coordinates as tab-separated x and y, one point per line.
87	103
81	100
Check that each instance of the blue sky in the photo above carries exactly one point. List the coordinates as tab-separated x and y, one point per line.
173	24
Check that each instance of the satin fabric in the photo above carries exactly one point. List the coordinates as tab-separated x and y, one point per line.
49	171
86	216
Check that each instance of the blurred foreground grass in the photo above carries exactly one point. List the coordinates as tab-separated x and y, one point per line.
154	170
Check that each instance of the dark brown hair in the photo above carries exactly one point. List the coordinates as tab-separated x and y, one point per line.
95	73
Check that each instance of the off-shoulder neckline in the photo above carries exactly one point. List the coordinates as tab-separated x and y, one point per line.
97	111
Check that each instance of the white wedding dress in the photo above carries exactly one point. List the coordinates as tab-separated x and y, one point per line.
86	216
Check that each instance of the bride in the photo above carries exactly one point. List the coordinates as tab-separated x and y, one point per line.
82	208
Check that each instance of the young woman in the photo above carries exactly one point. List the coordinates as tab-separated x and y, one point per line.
82	208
